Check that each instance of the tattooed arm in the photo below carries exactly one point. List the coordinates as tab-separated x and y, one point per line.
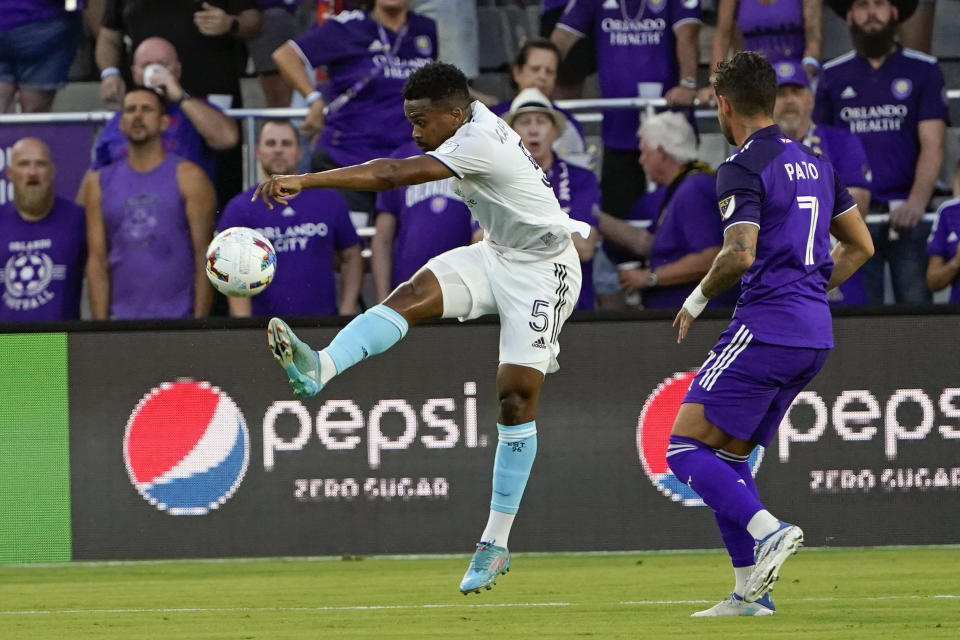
737	255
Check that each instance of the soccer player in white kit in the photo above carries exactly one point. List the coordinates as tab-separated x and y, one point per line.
526	270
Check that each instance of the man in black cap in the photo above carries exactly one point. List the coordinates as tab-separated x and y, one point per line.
892	98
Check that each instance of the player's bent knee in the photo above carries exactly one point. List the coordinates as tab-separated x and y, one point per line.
417	299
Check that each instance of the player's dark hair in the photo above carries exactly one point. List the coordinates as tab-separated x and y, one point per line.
160	97
440	82
281	122
749	82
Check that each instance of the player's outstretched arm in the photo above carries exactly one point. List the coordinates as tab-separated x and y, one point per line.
380	174
855	246
736	256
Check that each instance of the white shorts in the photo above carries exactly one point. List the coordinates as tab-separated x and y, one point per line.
533	299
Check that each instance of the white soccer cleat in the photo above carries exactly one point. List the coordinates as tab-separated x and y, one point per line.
769	555
737	606
301	363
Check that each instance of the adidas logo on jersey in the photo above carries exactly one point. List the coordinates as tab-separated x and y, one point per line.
952	237
539	343
848	93
376	45
611	4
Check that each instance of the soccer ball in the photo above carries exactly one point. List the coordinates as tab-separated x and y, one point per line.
241	262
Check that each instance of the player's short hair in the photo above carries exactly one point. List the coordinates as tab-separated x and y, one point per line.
159	96
749	82
280	122
672	132
440	82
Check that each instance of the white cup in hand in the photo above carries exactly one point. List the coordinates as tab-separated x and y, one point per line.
151	73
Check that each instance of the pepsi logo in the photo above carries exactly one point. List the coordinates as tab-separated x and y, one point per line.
186	447
653	436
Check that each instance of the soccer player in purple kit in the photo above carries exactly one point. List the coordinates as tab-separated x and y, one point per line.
943	247
526	270
42	242
893	100
414	224
779	203
309	234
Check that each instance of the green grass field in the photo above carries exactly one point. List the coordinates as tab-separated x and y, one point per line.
831	594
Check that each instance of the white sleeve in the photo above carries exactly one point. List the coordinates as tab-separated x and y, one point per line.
466	153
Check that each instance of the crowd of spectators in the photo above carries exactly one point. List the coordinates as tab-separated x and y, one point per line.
166	170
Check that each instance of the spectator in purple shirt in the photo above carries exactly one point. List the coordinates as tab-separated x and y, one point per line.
943	266
686	232
42	242
793	114
368	56
415	223
781	30
196	128
540	125
779	204
893	100
536	68
646	49
310	234
38	39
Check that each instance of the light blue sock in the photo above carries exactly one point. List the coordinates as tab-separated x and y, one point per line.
367	335
516	449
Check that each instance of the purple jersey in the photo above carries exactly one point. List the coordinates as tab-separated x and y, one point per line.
289	5
150	251
350	45
578	193
636	53
305	233
945	238
688	224
792	196
773	29
41	263
180	138
845	152
431	219
16	13
883	107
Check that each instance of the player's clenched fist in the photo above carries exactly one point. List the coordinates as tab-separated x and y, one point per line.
278	189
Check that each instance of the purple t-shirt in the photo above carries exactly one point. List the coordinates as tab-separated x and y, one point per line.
41	263
289	5
150	251
945	237
775	30
305	233
636	53
431	219
578	193
350	46
845	151
792	196
16	13
884	107
688	224
180	138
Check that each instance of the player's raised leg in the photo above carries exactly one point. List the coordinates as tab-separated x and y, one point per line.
518	389
369	334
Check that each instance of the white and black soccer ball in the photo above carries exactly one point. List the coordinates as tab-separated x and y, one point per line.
241	262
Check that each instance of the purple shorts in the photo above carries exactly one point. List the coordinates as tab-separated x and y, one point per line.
746	386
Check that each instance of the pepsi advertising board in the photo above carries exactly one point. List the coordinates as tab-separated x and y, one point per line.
189	443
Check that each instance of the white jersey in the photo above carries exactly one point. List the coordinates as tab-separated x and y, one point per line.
505	190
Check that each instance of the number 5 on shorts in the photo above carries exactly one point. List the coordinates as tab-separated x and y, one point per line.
540	320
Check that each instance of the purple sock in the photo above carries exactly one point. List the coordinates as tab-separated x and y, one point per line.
737	539
714	480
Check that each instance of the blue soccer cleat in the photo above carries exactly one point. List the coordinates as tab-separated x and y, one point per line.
737	606
301	363
489	561
769	555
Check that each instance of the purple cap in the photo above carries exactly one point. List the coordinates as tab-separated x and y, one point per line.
791	72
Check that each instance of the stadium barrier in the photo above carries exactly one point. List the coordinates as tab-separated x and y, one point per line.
182	440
